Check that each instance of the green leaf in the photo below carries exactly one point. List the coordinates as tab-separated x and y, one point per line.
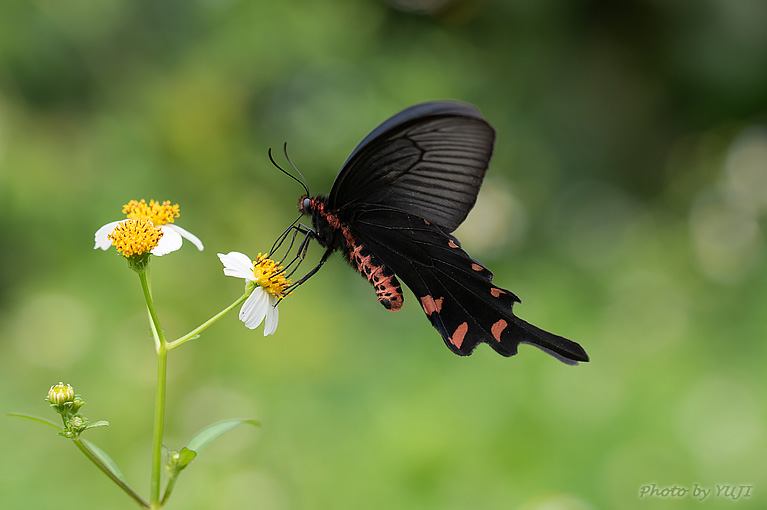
100	423
108	466
35	418
105	460
185	456
211	432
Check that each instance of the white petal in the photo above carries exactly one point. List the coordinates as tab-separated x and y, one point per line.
250	304
238	265
101	239
169	242
272	317
254	310
183	233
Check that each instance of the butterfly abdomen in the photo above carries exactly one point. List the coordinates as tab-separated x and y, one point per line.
388	289
335	234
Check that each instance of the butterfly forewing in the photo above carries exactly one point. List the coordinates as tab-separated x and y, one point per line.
431	166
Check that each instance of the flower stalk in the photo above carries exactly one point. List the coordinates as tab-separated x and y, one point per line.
195	333
159	403
159	424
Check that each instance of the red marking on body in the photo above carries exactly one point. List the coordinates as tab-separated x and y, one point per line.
498	328
459	334
452	244
333	221
431	305
388	290
496	292
477	267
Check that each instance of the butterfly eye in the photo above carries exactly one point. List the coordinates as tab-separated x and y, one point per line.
306	205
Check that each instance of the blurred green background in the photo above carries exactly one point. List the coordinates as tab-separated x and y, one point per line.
625	204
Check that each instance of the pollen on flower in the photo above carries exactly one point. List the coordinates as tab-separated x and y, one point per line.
270	276
135	236
158	213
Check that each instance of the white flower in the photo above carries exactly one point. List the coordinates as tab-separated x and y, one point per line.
161	215
173	236
268	284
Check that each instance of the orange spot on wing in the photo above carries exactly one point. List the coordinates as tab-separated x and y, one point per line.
477	267
498	328
431	305
459	334
496	292
452	244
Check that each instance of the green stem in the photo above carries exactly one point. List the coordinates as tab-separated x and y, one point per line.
205	325
159	423
159	403
155	322
93	458
169	488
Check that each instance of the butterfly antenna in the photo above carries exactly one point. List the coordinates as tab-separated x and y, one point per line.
302	181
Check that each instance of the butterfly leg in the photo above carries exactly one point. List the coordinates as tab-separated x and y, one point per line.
309	234
282	237
311	273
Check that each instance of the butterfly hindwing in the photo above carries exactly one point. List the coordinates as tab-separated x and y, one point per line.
455	291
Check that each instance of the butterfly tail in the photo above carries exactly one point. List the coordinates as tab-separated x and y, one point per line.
522	332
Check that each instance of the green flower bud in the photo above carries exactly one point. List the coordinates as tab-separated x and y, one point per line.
74	426
77	422
63	399
60	394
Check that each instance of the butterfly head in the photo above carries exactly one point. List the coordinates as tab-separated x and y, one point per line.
306	205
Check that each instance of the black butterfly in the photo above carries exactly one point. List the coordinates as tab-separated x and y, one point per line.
391	212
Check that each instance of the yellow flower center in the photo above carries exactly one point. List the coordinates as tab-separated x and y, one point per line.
157	213
135	236
270	276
